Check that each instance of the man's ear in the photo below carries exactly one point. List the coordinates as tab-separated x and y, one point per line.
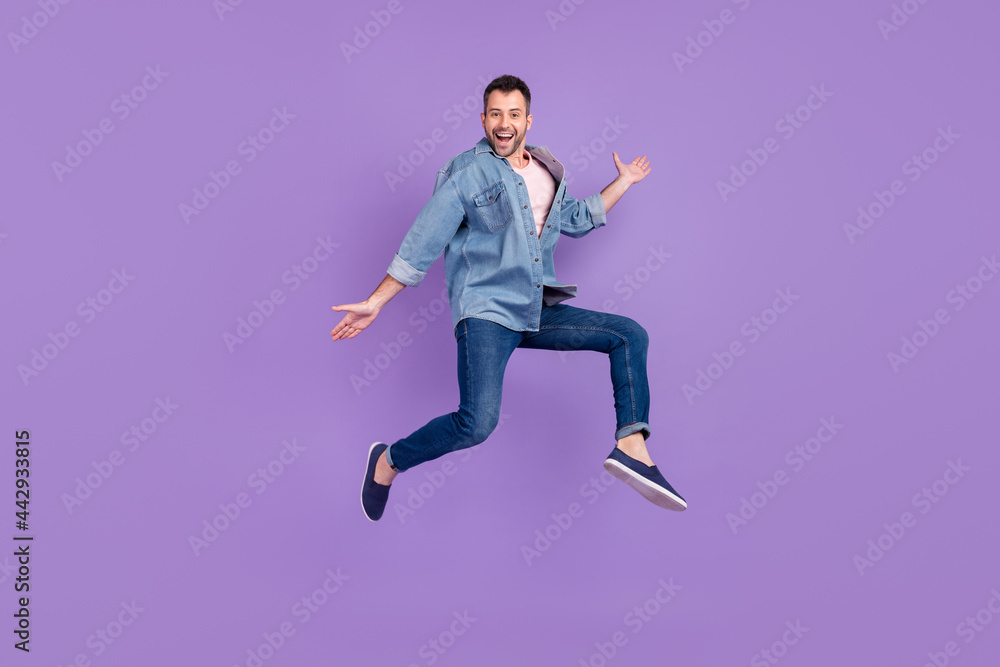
482	117
528	126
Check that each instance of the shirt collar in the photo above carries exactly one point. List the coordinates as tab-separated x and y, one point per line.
540	153
483	146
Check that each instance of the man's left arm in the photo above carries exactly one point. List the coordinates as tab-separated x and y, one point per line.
584	216
628	174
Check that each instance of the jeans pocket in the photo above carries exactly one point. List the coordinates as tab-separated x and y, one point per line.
493	206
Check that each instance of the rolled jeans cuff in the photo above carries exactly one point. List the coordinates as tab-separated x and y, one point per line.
629	429
388	457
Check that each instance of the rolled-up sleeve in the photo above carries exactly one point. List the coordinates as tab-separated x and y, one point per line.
581	217
430	233
404	272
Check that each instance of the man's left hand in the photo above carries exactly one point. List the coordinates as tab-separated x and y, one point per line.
634	171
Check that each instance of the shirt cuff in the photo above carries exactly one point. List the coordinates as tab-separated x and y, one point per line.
401	270
595	203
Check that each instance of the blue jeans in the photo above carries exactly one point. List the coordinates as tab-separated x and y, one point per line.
483	350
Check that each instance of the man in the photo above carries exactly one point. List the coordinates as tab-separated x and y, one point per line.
497	212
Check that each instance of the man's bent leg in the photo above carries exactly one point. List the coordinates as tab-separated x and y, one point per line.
567	328
484	348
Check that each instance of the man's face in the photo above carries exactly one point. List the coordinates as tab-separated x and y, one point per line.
505	122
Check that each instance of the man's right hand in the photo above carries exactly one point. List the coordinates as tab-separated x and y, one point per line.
358	317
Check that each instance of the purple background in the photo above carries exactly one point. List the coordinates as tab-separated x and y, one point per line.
463	550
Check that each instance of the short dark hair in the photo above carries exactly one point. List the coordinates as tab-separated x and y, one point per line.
508	84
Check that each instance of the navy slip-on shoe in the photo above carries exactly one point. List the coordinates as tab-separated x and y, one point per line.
645	479
374	495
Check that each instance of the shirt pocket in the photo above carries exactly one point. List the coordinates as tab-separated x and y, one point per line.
493	206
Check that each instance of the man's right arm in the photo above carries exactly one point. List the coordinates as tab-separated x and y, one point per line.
430	233
388	288
423	244
360	315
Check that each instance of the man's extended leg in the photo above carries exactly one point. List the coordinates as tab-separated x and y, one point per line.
484	348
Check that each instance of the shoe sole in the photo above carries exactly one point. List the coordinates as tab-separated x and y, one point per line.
651	492
364	481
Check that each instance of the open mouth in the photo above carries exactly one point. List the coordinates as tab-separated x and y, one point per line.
504	138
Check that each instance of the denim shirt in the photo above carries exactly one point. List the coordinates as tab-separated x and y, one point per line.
496	267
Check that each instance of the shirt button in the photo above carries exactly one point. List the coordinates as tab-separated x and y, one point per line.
537	285
520	183
549	226
532	233
536	259
525	207
558	200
